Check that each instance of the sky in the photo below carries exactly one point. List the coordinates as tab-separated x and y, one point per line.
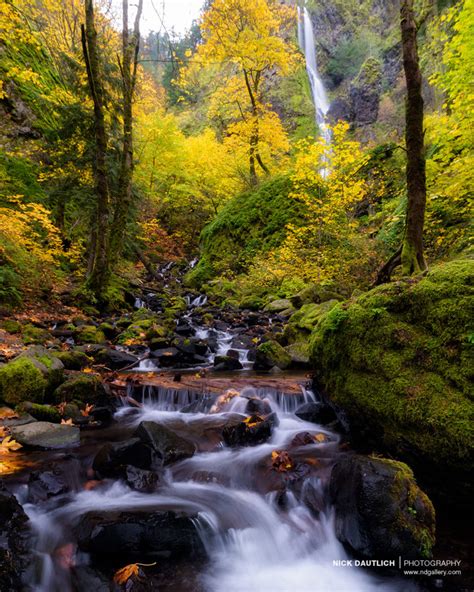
178	14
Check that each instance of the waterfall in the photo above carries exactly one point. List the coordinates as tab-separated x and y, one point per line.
318	92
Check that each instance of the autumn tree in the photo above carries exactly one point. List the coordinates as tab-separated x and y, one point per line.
246	38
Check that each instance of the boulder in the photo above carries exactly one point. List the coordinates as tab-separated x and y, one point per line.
46	361
40	412
299	353
20	380
73	359
87	388
128	536
270	354
114	458
279	306
226	363
168	446
380	510
167	357
46	435
14	542
251	431
142	480
109	357
89	334
309	314
397	360
316	412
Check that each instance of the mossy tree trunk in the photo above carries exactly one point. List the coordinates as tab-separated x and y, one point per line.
99	264
252	82
412	258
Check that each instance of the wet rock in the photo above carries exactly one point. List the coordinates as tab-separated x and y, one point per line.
46	435
299	353
14	542
85	577
279	306
271	354
184	329
113	458
226	363
316	412
40	412
43	485
259	406
139	535
109	357
141	480
168	446
167	357
73	359
340	109
380	510
252	431
365	92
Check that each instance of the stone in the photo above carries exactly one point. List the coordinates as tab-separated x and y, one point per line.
167	357
86	388
109	357
279	305
14	542
252	431
226	363
270	354
168	446
46	435
146	535
316	412
114	458
141	480
380	510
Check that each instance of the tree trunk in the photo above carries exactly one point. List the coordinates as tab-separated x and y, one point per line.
130	48
412	258
98	276
254	153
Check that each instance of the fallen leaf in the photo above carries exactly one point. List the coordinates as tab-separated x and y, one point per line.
88	408
66	421
281	461
8	444
7	413
125	573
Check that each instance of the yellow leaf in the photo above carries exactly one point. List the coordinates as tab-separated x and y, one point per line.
66	421
8	444
125	573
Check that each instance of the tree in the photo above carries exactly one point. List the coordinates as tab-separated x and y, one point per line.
246	38
99	265
410	255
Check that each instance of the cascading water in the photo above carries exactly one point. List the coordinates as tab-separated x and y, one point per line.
254	540
318	92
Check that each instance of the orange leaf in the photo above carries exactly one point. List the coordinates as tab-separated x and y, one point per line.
86	412
8	444
66	421
125	573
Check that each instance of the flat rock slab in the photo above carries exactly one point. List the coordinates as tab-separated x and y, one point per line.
43	434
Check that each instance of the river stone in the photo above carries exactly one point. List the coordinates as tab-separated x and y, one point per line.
43	434
226	363
139	535
168	446
250	432
380	510
113	458
279	305
270	354
14	542
316	412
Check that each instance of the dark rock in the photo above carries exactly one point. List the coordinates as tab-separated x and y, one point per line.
109	357
113	458
167	357
85	577
316	413
139	535
87	388
250	432
14	542
365	92
380	511
141	480
340	109
168	446
258	406
226	363
270	354
185	330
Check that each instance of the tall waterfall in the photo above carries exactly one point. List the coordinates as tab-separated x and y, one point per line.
320	99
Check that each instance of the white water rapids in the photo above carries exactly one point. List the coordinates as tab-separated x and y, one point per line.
253	543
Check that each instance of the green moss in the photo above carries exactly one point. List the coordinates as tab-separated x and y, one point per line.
31	335
73	359
85	388
11	326
398	360
145	330
21	380
90	334
270	354
40	412
309	314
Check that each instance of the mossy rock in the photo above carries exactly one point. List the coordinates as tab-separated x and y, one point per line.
22	380
109	330
73	359
48	363
34	335
40	412
299	353
251	303
281	305
314	294
11	326
399	361
380	510
145	330
86	388
309	314
90	334
270	354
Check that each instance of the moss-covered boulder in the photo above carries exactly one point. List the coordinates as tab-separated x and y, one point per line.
141	331
89	334
314	294
86	388
10	326
299	353
46	361
271	354
34	335
73	359
282	305
399	361
309	314
21	380
380	510
40	412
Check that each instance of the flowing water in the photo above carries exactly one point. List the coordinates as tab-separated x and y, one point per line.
257	537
